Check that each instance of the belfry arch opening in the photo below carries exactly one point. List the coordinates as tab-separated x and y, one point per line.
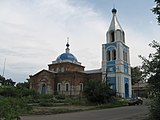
108	55
112	37
114	54
123	37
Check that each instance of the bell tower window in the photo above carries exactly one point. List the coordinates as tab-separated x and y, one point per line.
125	56
123	37
112	36
108	56
114	54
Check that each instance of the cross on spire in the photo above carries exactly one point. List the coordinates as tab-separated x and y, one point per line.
67	45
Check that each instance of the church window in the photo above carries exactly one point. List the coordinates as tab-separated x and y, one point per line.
112	36
67	87
123	37
125	56
114	54
59	87
81	87
57	69
108	56
44	89
62	69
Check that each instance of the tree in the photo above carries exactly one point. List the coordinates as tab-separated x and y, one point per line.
98	92
6	82
136	74
2	79
22	85
156	10
151	69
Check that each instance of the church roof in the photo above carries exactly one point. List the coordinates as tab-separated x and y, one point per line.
114	23
93	71
67	56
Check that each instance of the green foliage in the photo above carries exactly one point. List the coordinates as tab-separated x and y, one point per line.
22	85
136	74
75	100
6	82
2	78
151	69
14	101
155	109
11	108
98	92
11	91
62	97
46	104
156	10
8	91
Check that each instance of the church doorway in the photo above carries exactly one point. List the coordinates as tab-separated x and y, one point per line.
126	90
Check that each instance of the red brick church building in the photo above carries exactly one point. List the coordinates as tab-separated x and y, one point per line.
64	76
67	76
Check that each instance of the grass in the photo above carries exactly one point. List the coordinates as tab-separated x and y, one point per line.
55	106
38	110
47	111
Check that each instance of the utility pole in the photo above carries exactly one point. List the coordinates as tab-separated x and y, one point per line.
4	67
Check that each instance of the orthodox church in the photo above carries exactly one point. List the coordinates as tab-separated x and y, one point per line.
67	76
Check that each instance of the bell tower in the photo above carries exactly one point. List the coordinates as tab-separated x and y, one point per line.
116	59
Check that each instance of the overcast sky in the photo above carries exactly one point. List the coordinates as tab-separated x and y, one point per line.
33	33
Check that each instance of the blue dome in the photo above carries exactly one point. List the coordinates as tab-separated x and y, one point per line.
66	57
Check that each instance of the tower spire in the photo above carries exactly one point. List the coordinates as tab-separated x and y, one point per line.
67	45
115	31
114	23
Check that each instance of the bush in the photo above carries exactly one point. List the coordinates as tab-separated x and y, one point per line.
12	108
62	97
11	91
46	104
8	91
155	109
98	92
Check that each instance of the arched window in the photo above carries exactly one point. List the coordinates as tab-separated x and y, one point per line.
57	69
125	56
119	35
108	55
114	54
123	37
59	87
112	36
81	87
44	89
67	87
62	69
